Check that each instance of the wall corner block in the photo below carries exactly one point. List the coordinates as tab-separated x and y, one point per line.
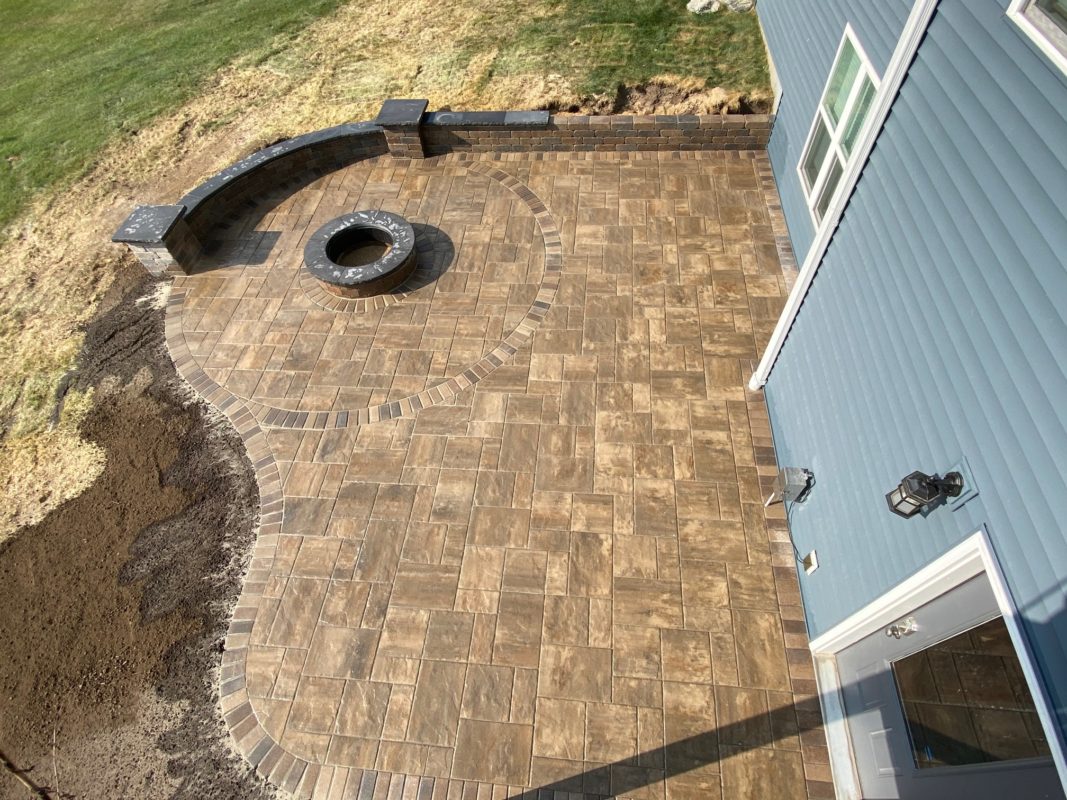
160	238
401	121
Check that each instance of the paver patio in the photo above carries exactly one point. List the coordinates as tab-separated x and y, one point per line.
537	564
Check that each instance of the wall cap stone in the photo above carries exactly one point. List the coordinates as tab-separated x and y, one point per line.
148	224
213	184
401	113
488	119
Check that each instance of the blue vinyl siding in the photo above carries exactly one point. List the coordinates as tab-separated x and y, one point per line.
803	36
936	328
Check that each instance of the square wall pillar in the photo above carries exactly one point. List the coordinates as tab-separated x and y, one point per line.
160	238
401	120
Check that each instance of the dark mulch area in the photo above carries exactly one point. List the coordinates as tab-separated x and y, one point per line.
113	609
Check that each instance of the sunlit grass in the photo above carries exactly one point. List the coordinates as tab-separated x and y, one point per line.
73	73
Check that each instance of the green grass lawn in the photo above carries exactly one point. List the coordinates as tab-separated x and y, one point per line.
73	73
602	44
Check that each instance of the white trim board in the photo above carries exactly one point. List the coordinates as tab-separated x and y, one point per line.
835	726
973	556
907	46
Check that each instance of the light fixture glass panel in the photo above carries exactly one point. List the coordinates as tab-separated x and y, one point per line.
858	116
845	71
820	144
829	188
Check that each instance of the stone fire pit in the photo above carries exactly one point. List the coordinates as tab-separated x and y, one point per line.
362	254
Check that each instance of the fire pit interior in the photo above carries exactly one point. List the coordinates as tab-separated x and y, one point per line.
362	254
358	247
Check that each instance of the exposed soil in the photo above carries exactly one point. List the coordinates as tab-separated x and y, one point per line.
665	94
113	608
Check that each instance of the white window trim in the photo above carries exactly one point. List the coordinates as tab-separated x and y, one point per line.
835	150
1031	21
893	78
971	557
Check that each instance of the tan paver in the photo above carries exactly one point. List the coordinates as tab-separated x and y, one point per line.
523	542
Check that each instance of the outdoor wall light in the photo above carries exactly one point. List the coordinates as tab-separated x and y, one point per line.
919	490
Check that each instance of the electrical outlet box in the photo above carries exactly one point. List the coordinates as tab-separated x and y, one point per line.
810	562
792	485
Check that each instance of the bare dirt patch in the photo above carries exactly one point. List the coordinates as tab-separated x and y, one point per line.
114	606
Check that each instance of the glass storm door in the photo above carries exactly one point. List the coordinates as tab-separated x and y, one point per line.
938	707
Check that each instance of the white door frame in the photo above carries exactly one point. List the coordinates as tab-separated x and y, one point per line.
971	557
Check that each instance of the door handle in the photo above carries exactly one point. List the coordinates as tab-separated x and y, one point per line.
901	628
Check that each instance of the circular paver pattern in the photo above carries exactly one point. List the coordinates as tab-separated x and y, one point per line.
262	330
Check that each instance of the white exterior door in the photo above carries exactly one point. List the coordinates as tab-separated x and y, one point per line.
937	706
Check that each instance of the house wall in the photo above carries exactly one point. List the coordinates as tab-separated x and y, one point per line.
936	328
803	36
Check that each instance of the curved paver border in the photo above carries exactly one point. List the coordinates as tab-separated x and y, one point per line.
444	392
307	779
270	759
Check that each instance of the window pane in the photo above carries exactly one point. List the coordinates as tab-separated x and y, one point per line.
859	114
966	701
828	188
848	65
1056	10
820	143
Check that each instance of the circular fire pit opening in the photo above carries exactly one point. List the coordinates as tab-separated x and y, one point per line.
362	254
358	247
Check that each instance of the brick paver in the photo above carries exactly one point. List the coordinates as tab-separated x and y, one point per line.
545	565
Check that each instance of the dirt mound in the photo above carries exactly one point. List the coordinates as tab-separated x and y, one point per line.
664	94
668	94
115	605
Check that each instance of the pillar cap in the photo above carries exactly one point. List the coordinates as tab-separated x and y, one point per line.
401	113
148	224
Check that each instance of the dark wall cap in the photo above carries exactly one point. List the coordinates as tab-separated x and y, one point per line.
527	117
469	119
246	165
148	224
401	113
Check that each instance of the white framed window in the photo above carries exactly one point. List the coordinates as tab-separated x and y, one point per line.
843	110
1044	21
